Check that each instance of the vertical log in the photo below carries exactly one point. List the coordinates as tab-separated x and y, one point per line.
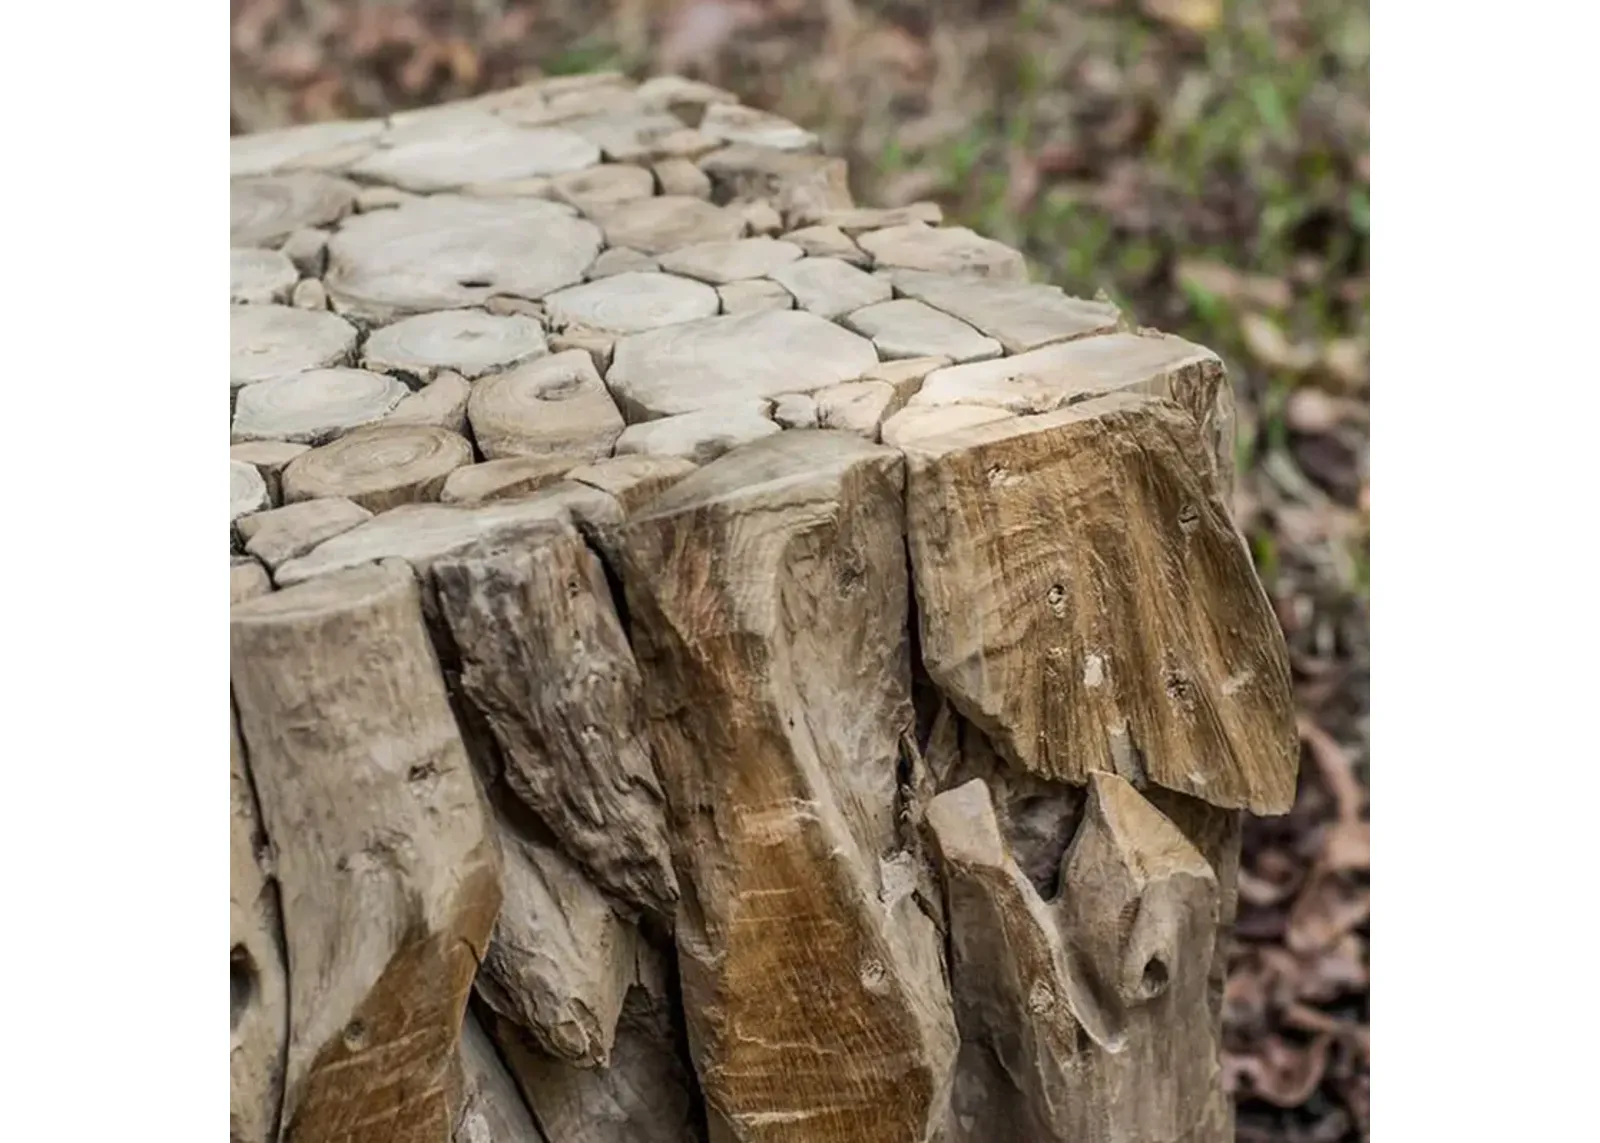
389	874
768	595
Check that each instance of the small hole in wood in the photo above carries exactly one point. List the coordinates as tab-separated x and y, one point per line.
1056	600
473	283
1154	978
355	1035
1188	517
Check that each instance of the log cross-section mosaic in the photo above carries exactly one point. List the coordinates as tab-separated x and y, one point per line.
712	662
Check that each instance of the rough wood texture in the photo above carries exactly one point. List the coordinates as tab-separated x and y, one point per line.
778	697
378	468
259	1008
546	664
382	845
640	343
1124	631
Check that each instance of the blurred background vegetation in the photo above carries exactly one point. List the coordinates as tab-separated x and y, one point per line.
1203	162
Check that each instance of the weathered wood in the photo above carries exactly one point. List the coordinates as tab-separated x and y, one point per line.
247	579
247	491
259	1005
281	534
829	242
646	1094
1019	315
309	294
380	467
478	149
259	276
698	365
422	533
795	411
382	846
629	302
921	422
699	437
556	406
799	185
830	287
722	262
679	176
265	211
468	342
856	406
620	260
753	297
1098	1015
504	479
491	1110
595	189
907	328
861	219
546	664
768	597
267	343
1125	631
731	123
315	406
311	146
666	222
449	252
559	960
944	250
441	403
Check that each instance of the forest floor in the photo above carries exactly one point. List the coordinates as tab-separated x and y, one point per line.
1202	161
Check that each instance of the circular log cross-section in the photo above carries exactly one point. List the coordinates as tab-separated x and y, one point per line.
714	663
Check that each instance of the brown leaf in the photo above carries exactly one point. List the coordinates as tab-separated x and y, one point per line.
1308	1019
1189	15
1334	768
1281	1074
1326	910
1347	845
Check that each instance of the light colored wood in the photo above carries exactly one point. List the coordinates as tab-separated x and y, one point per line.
699	437
907	328
314	407
857	407
269	459
1128	633
754	297
546	664
247	491
944	250
630	302
761	218
595	189
492	1110
621	260
308	250
830	287
267	210
731	123
556	406
312	146
861	219
905	376
449	252
469	342
259	276
422	533
258	978
678	94
916	423
646	1094
504	479
382	846
535	187
768	599
630	135
309	294
829	242
476	151
369	199
1019	315
1100	1021
666	222
282	534
559	960
633	480
380	467
597	343
441	403
799	185
795	411
698	365
722	262
270	342
247	579
679	176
